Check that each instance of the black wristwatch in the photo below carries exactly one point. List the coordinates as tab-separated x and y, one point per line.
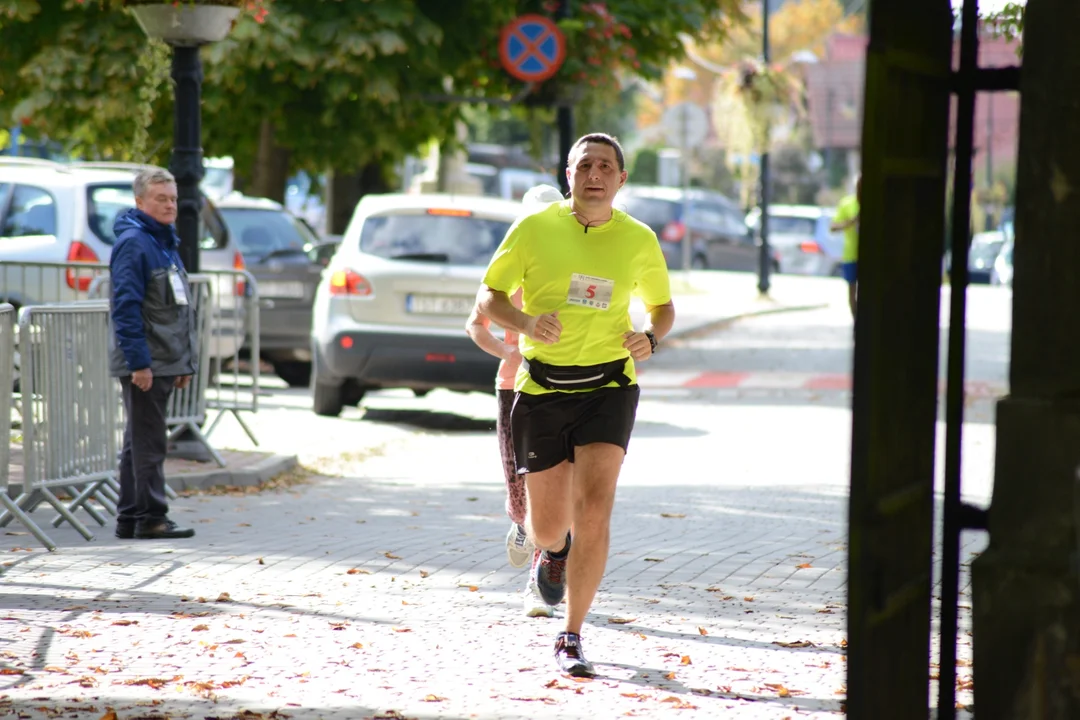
652	340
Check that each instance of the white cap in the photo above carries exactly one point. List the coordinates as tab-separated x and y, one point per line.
542	195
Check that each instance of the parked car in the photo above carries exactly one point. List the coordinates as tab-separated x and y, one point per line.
392	304
54	212
277	246
985	247
800	239
719	237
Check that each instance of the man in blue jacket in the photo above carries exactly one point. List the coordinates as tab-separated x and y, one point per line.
154	349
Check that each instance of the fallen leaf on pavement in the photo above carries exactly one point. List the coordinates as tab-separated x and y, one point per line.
155	683
672	515
433	698
261	561
244	525
685	660
357	646
424	573
401	629
620	621
803	566
54	669
670	676
473	588
714	589
843	643
641	635
125	622
83	634
679	703
12	671
748	598
224	597
391	556
200	628
111	715
291	635
796	644
702	631
654	560
357	571
234	641
825	611
86	682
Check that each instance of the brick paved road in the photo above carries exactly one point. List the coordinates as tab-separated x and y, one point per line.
724	595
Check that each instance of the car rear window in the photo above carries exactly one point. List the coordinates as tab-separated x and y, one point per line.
454	237
788	225
653	212
262	232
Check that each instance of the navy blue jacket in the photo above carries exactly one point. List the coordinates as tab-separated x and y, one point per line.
150	329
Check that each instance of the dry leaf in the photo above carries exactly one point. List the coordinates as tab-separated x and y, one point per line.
433	698
702	631
200	628
620	621
401	629
424	573
224	597
291	635
473	588
244	525
12	671
357	646
125	622
685	660
391	556
672	515
679	703
357	571
54	669
261	561
796	644
654	560
670	676
804	566
748	598
780	689
111	715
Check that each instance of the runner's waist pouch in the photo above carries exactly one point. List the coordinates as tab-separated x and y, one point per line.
578	377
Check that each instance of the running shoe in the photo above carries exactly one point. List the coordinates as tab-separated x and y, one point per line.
570	656
549	574
519	549
533	600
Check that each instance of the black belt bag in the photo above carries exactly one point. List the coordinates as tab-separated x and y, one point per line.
578	377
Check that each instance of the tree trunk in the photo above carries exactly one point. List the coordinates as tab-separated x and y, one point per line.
344	190
270	170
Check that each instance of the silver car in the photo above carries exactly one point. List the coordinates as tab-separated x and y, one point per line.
391	305
63	213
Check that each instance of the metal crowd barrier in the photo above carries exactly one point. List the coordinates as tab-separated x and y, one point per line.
7	377
69	414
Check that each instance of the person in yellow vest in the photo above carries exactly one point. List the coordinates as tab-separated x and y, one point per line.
846	220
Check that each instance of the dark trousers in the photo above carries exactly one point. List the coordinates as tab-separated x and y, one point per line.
142	461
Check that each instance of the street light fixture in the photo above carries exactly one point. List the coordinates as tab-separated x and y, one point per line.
186	26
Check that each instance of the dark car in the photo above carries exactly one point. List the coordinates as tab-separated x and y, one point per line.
277	248
719	237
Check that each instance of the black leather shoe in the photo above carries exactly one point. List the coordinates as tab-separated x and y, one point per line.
125	529
161	530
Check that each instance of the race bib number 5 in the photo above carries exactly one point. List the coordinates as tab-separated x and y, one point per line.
589	291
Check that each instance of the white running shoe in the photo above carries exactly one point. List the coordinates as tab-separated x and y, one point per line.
519	548
534	603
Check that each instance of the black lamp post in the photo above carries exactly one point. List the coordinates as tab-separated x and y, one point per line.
186	26
764	256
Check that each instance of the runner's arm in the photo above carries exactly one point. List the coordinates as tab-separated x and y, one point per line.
479	329
661	318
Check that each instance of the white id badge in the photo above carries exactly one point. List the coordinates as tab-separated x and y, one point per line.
589	291
178	292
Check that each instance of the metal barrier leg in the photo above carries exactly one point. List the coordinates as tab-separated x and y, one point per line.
82	501
105	497
67	514
200	437
13	511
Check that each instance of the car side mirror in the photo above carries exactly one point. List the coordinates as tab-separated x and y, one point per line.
322	253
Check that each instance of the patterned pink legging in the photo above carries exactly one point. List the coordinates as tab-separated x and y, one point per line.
515	484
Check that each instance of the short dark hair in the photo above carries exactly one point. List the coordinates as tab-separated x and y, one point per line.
603	139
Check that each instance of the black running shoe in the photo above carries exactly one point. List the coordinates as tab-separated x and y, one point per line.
570	656
550	575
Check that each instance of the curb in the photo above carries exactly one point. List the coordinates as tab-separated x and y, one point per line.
255	474
708	326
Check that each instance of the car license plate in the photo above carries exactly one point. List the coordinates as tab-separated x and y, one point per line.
279	289
439	304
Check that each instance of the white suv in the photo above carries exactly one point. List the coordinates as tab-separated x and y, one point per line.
63	213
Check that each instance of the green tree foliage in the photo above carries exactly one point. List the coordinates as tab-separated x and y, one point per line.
341	84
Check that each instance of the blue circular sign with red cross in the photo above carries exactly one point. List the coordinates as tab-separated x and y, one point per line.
532	48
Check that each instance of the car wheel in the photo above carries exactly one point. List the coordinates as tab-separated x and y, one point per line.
352	393
699	263
326	400
295	373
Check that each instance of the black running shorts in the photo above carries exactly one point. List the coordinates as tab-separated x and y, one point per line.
547	427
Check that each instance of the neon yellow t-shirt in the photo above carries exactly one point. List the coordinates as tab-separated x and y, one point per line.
560	267
848	209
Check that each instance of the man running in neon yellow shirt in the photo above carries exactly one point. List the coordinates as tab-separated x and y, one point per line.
847	220
578	262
